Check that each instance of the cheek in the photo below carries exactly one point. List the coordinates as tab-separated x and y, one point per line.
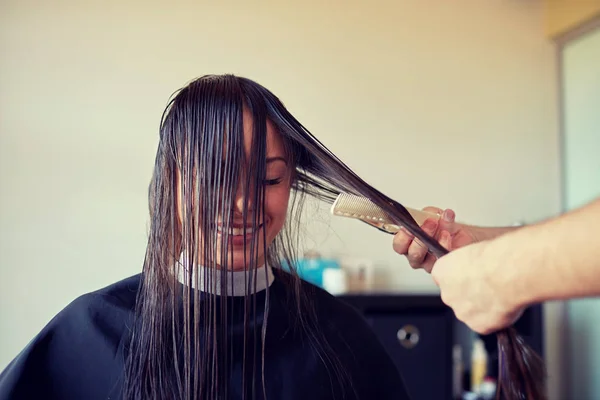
276	204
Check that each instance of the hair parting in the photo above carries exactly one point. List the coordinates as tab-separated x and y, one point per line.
180	343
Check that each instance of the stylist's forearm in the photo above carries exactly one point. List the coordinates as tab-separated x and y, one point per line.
556	259
488	233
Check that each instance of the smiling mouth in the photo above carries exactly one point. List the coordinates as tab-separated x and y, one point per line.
239	231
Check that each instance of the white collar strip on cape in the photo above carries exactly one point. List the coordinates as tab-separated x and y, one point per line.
239	283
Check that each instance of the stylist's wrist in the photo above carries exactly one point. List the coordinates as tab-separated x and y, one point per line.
481	233
515	279
478	233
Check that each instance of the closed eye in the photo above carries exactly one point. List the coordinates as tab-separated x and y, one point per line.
271	182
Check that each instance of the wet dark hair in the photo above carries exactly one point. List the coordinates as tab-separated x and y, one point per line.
201	152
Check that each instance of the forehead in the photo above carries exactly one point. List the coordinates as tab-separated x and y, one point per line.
274	140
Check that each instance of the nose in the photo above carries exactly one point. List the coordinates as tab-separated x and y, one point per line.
241	197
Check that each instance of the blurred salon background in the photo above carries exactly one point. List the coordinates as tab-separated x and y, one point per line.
490	108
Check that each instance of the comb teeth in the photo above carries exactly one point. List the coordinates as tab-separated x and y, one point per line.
348	205
352	206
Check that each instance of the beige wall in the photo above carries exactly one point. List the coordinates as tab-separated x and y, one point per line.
562	16
433	102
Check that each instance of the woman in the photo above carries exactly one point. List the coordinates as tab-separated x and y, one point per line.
213	315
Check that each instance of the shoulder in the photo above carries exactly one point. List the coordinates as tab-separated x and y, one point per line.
105	306
105	309
110	303
58	358
120	295
104	313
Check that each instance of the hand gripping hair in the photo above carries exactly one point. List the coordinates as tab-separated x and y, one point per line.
216	179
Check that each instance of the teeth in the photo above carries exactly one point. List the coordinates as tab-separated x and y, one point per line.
237	231
240	231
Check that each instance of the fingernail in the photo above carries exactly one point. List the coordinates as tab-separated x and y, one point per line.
429	225
449	216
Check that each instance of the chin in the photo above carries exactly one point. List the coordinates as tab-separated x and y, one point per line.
237	260
239	264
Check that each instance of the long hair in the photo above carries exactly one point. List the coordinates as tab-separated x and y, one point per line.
178	347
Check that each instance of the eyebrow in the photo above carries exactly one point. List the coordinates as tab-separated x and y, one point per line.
273	159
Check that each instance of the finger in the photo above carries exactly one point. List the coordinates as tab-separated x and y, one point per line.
436	279
428	263
447	220
482	325
446	240
437	273
484	330
493	323
516	316
402	241
417	250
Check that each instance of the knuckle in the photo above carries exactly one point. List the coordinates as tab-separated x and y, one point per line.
400	248
415	258
429	226
428	266
402	238
400	241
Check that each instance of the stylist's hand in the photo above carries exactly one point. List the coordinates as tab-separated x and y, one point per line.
416	252
477	282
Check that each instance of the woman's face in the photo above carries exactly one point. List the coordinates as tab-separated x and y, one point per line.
277	194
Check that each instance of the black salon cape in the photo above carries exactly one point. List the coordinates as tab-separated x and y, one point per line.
80	353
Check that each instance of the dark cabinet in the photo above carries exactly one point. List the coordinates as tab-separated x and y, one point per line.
410	340
417	332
